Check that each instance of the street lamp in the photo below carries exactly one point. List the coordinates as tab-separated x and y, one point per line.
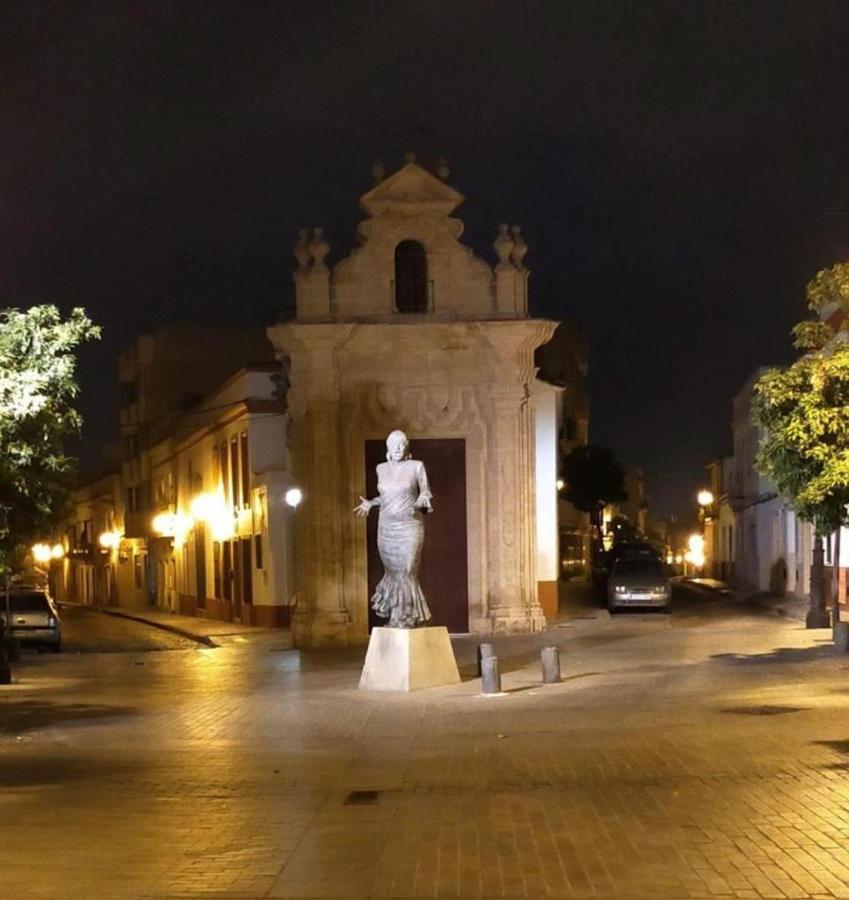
293	497
705	498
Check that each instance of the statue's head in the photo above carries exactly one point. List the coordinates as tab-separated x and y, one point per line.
397	446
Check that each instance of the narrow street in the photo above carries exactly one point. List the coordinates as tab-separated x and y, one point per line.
699	754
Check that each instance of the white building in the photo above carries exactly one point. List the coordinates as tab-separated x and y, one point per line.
772	547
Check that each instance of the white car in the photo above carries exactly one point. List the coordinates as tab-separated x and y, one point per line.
33	617
639	582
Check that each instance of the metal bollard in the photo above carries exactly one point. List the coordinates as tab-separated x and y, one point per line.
490	676
484	650
841	637
550	665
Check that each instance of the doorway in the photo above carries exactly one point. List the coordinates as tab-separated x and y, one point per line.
443	573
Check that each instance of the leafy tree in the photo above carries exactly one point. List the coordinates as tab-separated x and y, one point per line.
804	412
37	392
593	477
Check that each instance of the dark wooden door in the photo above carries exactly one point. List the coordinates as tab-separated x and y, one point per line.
444	568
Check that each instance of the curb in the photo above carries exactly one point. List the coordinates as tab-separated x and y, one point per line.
203	639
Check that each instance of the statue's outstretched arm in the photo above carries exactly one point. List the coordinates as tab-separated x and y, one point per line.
365	506
425	496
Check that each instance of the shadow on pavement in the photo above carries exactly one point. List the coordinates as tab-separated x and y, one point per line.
19	716
824	650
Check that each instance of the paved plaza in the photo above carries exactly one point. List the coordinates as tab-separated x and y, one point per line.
703	754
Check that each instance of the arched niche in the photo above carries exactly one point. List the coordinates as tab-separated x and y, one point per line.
411	283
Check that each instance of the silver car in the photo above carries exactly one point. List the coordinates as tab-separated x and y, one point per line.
639	582
33	617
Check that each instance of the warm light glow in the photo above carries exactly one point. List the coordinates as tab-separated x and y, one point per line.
203	506
210	509
163	524
669	559
175	525
696	552
293	497
41	553
57	551
560	484
109	539
705	498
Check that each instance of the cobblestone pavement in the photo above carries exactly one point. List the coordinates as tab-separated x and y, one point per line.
700	755
90	631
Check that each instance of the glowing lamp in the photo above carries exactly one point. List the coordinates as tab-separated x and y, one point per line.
163	524
41	553
293	497
57	551
109	540
705	498
560	484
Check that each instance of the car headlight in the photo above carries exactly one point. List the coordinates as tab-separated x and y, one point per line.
620	589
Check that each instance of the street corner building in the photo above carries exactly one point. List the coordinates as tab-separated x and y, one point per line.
242	458
413	331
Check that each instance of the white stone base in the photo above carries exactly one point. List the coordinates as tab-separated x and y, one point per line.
408	659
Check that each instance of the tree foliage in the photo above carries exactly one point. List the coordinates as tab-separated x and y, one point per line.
803	410
593	478
37	392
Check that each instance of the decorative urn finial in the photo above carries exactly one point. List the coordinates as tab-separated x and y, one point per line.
520	248
503	245
442	169
378	172
302	250
319	248
409	157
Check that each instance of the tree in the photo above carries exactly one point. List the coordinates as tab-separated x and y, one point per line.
593	477
37	392
803	410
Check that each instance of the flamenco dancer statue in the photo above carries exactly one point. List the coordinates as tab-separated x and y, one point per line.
404	496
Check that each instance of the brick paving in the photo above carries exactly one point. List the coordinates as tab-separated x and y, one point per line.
700	755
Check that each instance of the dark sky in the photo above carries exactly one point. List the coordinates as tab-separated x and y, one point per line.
680	171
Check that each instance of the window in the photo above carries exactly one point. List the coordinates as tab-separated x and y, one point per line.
246	470
131	446
216	564
138	571
133	499
258	550
247	575
411	285
234	472
129	393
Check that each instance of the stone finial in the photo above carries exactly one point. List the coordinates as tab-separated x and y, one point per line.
319	248
302	250
520	248
442	169
378	172
503	245
409	157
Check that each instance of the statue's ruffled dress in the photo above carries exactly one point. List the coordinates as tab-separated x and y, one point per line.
404	492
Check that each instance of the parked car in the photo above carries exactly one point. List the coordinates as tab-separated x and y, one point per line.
606	560
639	582
33	617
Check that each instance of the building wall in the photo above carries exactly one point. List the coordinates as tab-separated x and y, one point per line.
461	366
547	404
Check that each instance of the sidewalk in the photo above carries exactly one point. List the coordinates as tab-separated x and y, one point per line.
209	632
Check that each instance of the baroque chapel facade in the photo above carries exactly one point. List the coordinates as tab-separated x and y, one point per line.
413	331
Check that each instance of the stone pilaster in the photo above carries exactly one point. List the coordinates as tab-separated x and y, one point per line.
320	617
512	600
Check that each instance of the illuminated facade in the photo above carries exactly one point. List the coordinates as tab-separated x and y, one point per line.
413	331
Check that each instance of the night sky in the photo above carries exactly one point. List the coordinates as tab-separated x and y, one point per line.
680	171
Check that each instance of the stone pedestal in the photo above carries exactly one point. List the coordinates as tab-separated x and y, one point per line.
408	659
